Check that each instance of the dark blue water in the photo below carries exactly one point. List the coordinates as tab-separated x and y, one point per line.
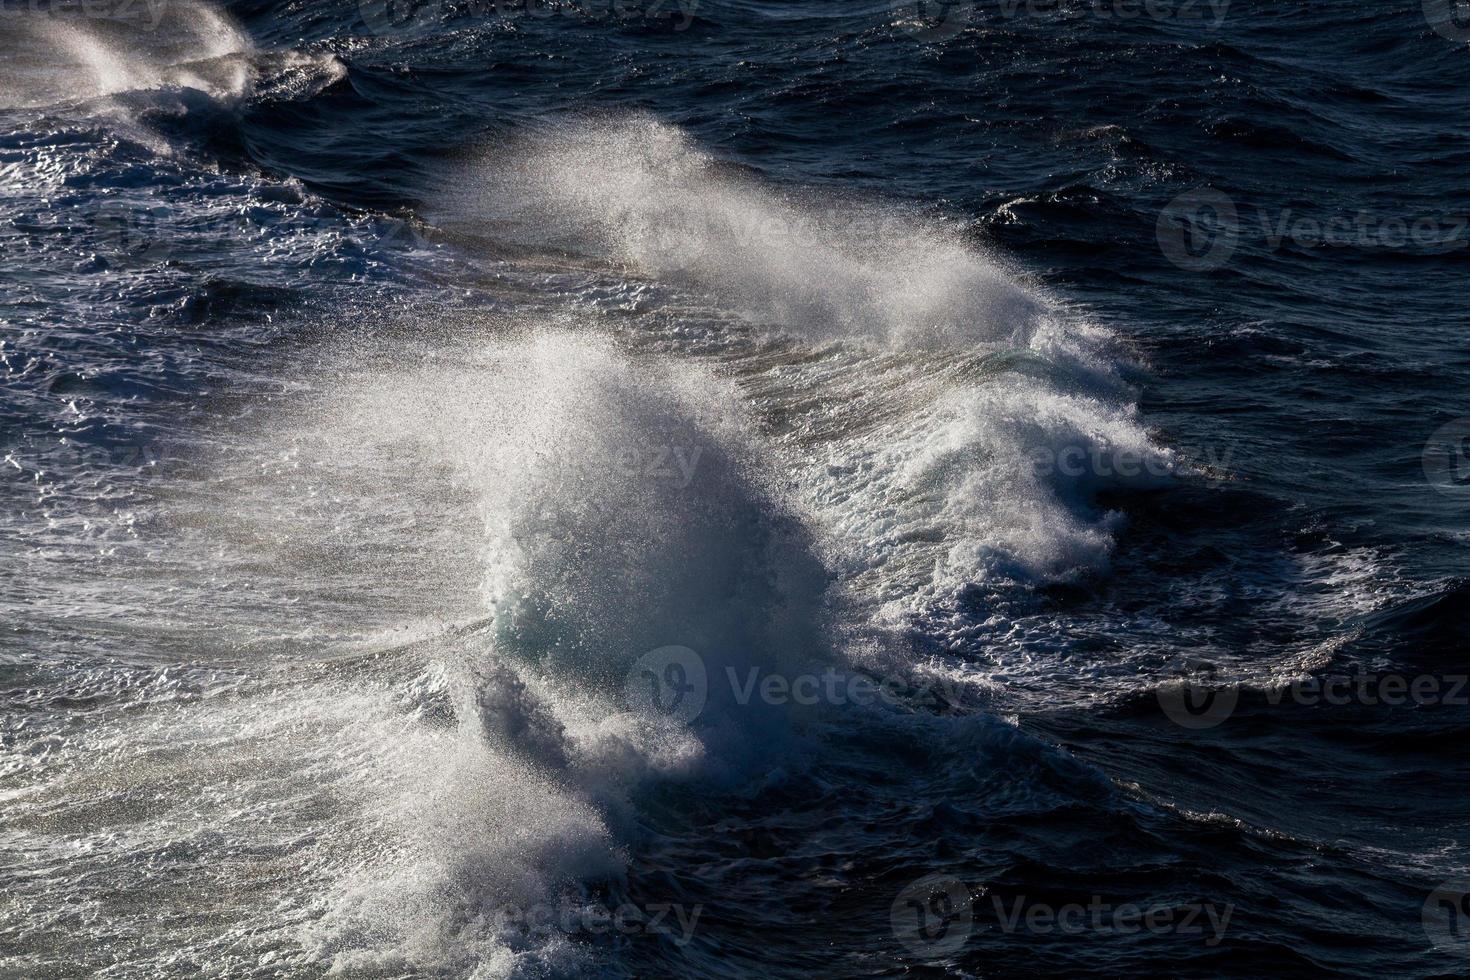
428	427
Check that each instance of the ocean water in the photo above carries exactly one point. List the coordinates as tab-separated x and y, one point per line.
726	488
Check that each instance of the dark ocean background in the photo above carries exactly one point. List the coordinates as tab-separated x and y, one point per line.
388	388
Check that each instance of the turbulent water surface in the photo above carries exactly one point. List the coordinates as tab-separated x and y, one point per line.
733	488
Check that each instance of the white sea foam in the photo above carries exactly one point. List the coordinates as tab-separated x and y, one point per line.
962	426
597	547
570	503
69	55
641	193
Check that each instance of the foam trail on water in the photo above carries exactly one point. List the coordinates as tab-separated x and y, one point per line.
984	483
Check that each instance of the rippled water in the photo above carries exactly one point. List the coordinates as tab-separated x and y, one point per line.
727	489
